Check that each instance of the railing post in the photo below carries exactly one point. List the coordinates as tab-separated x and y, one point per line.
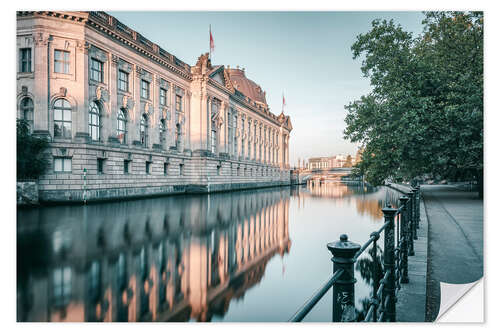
414	217
343	252
418	206
404	243
389	265
375	274
409	222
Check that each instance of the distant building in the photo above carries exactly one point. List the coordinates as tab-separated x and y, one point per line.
325	163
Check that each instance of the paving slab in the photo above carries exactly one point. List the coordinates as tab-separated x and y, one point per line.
455	240
412	296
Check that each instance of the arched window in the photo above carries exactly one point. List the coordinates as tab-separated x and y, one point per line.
94	121
144	130
163	132
62	118
27	111
121	128
177	135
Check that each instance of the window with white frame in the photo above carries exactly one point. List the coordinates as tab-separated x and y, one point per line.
178	103
144	130
96	70
177	135
25	60
27	111
121	128
62	164
163	132
61	61
62	118
145	89
123	80
94	121
163	97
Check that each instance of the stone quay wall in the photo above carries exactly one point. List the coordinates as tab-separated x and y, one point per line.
169	173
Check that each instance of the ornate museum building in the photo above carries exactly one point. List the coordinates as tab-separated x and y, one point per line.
126	118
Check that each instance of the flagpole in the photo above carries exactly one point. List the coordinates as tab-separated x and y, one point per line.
210	42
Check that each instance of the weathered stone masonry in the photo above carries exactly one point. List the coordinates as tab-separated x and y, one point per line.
108	99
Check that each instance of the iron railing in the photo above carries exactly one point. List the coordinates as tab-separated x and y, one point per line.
400	229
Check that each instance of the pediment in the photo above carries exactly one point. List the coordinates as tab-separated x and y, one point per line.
218	75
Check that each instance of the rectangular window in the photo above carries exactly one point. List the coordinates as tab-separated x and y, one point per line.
126	164
181	169
25	60
148	167
178	103
123	81
61	61
165	169
163	96
96	70
62	164
218	170
145	89
100	165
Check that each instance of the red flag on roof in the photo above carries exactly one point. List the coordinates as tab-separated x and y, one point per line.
212	47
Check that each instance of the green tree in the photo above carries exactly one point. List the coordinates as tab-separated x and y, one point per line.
31	153
424	115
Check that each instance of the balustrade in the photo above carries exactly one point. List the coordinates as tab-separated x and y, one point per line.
400	228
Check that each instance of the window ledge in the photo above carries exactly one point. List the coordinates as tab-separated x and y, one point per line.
25	75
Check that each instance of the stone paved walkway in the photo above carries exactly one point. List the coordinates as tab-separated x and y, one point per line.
455	249
412	296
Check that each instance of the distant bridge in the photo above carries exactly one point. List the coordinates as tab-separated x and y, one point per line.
300	176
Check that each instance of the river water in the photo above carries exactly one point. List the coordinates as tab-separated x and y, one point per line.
254	255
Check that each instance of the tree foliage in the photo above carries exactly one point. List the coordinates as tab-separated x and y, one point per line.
424	115
31	158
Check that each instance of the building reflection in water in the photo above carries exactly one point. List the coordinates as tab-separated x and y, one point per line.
166	259
367	198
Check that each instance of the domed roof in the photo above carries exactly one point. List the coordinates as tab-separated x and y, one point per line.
246	86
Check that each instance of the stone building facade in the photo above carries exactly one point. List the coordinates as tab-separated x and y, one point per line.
126	118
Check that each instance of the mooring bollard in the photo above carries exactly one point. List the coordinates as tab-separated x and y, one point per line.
404	243
389	264
343	252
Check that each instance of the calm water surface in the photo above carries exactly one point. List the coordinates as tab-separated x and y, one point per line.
254	255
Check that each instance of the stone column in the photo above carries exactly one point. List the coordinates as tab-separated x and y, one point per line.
41	59
135	113
80	118
109	127
172	122
208	137
287	152
222	131
187	120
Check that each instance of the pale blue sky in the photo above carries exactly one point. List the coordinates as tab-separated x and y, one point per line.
306	55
